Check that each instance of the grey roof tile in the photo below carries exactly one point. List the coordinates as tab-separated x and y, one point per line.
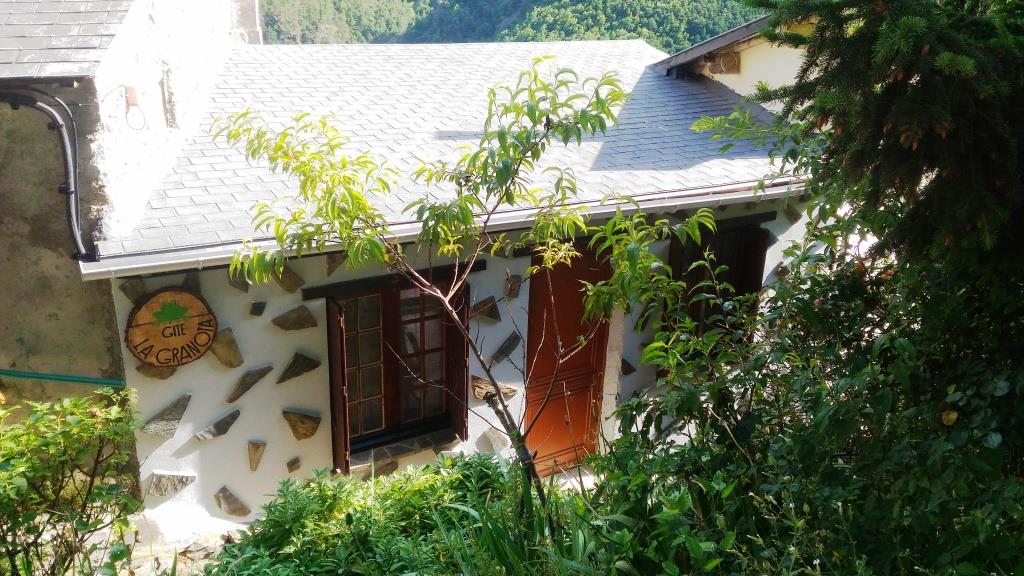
400	102
69	36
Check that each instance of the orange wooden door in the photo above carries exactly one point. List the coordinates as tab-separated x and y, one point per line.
563	398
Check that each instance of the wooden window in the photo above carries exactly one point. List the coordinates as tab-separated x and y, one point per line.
398	368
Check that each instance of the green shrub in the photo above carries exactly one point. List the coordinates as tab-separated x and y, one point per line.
406	522
66	486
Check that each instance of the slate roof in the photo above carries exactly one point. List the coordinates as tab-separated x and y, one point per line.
42	39
401	102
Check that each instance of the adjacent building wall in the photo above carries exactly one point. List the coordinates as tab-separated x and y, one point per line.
761	62
131	118
51	322
156	70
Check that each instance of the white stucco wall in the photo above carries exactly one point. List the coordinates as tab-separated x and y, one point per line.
223	461
177	46
761	62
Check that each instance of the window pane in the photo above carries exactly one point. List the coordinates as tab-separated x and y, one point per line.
369	348
433	370
370	382
411	338
433	335
412	408
352	379
372	414
348	310
409	303
351	351
431	306
434	401
353	419
407	367
369	312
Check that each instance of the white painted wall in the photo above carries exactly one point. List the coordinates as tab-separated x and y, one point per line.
761	62
223	461
183	42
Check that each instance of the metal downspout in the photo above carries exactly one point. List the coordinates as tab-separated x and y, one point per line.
70	186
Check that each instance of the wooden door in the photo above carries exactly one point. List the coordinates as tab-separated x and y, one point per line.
563	397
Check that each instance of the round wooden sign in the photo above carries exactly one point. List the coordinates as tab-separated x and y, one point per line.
171	327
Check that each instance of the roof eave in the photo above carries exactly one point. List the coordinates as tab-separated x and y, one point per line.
219	256
738	34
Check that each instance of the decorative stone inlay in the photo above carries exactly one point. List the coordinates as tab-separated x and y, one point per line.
165	422
289	281
225	348
238	282
512	285
482	387
488	308
297	366
169	484
198	551
496	439
303	424
247	381
627	368
335	261
257	308
229	503
134	289
158	372
506	348
297	318
293	464
220	427
256	449
191	281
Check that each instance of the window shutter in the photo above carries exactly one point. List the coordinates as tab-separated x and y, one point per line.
457	361
742	248
339	387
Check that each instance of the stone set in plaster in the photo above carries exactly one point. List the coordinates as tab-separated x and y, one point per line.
303	424
165	422
225	349
247	381
299	365
298	318
256	449
506	348
158	372
487	308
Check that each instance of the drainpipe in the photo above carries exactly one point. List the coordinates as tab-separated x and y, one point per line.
69	189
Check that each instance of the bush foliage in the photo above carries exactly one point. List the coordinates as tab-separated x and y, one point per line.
457	516
67	486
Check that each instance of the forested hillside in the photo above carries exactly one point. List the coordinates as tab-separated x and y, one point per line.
667	24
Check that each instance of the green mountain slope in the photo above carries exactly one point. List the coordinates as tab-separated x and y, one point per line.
667	24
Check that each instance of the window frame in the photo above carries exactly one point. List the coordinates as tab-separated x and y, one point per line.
455	361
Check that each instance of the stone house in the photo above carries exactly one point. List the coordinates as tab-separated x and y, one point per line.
152	206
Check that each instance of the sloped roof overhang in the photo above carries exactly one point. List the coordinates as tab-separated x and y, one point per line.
219	255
